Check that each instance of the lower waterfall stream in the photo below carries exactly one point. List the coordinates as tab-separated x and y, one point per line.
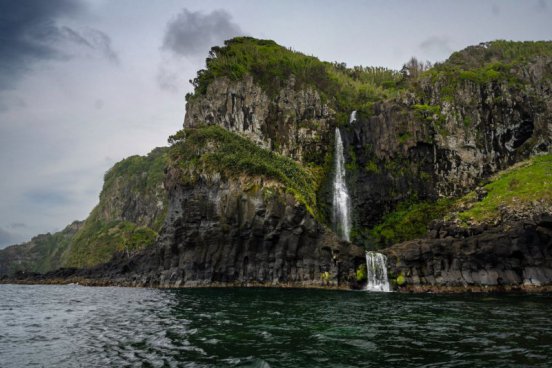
376	272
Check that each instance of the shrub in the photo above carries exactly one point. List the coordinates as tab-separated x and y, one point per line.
272	65
214	149
361	274
409	221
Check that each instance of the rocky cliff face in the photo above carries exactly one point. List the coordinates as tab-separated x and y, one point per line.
295	123
133	191
447	135
245	231
514	256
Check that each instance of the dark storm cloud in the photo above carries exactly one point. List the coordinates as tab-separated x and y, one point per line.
193	33
29	33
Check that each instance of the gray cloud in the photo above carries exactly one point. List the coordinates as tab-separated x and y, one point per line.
495	9
6	238
91	39
168	80
193	33
30	33
436	47
48	197
18	225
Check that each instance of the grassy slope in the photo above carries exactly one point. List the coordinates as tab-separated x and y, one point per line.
491	62
103	232
43	253
514	189
271	65
214	149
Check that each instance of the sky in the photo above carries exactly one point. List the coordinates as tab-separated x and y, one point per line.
84	84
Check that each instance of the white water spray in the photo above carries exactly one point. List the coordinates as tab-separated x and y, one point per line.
376	272
341	214
352	117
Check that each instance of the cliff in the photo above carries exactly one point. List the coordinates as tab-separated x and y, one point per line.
130	211
42	253
129	214
418	135
240	214
498	237
246	193
481	111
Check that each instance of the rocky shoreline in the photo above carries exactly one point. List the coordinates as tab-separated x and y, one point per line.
417	289
513	258
514	255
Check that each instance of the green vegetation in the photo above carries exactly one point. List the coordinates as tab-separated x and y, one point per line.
149	170
361	273
43	253
216	150
404	137
272	65
430	114
326	277
427	111
98	241
409	221
372	167
112	227
516	187
485	63
400	280
500	51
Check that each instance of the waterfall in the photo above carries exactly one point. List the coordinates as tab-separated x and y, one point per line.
341	214
376	272
352	118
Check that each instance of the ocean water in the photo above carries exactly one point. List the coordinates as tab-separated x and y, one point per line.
74	326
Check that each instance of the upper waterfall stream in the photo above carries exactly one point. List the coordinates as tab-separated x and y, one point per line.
341	214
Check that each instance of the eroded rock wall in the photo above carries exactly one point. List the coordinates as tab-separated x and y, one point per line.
516	255
295	123
446	138
243	232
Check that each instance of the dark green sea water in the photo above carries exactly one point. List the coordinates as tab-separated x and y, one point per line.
71	326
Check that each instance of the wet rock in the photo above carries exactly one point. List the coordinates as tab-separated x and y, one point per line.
514	254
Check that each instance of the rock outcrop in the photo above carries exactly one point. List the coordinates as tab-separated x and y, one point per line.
240	232
447	135
295	123
244	232
513	256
